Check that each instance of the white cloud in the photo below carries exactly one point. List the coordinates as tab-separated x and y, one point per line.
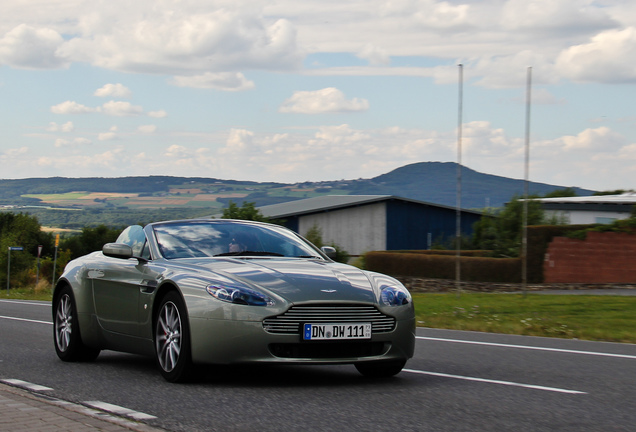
374	55
107	136
206	45
111	135
600	140
176	151
182	38
76	142
147	129
158	114
568	17
71	107
83	165
328	100
15	152
121	109
66	127
113	90
32	48
238	141
512	70
227	81
610	56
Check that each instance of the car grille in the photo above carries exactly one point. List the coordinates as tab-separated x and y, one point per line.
291	321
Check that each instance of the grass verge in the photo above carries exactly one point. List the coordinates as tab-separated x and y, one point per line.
600	318
40	293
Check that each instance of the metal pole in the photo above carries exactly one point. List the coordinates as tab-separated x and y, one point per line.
37	274
8	268
54	264
57	244
524	241
458	225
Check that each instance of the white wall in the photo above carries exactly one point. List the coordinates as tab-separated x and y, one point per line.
577	217
356	229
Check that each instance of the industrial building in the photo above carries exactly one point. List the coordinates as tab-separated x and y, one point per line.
590	209
362	223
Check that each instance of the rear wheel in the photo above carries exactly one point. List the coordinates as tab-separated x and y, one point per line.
172	339
380	369
66	331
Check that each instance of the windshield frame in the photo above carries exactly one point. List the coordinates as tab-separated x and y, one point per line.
209	238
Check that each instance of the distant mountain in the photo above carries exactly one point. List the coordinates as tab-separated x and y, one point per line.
434	182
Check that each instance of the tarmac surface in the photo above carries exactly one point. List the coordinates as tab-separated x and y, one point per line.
21	410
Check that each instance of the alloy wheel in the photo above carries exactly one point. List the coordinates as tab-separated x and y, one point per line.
168	336
63	323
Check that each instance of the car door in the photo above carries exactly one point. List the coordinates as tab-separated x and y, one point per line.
116	290
117	285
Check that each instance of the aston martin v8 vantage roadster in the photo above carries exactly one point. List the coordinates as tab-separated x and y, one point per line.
218	291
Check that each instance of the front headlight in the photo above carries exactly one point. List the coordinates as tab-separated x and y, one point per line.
239	295
394	296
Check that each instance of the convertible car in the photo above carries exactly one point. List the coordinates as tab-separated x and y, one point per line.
218	291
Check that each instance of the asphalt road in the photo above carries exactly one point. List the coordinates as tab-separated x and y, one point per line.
457	381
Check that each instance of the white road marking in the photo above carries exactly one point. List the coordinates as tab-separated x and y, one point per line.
115	409
529	347
34	302
27	320
26	385
489	381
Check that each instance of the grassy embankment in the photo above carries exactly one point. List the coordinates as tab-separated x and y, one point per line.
605	318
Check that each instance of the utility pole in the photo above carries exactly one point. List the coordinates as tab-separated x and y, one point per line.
524	241
458	211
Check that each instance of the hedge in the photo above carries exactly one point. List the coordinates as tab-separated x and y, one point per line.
474	269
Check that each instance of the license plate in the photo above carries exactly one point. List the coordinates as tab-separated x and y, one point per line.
336	331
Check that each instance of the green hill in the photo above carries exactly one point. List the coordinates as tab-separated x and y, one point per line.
78	202
436	182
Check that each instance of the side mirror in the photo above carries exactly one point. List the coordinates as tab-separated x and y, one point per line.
329	251
117	250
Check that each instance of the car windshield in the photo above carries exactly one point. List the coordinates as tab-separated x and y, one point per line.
224	238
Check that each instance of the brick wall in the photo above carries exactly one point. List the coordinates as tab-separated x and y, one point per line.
601	258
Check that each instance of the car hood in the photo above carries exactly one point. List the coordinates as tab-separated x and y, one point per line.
296	280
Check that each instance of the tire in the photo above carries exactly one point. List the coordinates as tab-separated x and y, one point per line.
66	331
172	339
381	369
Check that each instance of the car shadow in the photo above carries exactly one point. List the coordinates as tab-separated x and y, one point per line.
285	376
246	375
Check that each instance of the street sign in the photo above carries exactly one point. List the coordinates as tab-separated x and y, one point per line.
16	248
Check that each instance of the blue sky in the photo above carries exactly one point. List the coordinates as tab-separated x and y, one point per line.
289	91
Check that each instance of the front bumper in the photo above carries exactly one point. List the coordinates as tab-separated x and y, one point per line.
227	342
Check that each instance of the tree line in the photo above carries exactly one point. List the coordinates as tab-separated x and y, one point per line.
499	231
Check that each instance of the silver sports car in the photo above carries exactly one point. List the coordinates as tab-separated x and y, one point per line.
217	291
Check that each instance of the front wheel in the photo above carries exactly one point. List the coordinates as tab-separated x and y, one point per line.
380	369
66	331
172	339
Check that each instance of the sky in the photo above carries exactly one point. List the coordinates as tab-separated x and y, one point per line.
292	91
